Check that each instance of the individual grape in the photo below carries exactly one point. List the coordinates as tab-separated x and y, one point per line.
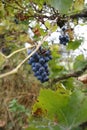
34	69
47	59
45	65
64	28
37	73
36	56
46	78
33	64
42	60
41	70
37	65
39	77
32	59
47	52
44	74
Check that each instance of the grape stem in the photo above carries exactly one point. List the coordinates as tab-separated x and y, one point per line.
15	70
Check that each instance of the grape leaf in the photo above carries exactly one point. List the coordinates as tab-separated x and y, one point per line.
72	45
70	109
51	103
79	63
61	5
76	110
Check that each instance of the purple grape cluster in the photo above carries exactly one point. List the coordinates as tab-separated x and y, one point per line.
38	62
64	39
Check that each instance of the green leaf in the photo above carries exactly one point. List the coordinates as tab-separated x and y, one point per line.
70	109
62	5
51	103
72	45
47	24
54	27
80	62
40	2
69	83
76	110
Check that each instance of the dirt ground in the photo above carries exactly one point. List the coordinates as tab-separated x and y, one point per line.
20	88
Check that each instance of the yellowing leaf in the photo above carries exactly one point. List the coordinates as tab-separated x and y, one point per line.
78	5
54	28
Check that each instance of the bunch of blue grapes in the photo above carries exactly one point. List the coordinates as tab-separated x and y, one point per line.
39	64
64	38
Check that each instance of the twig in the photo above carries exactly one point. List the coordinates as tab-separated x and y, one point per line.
82	14
17	68
9	56
3	55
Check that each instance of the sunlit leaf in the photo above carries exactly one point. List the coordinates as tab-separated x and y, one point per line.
72	45
47	24
54	27
78	5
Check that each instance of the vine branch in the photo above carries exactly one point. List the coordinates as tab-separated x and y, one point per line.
15	70
82	14
74	74
9	56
